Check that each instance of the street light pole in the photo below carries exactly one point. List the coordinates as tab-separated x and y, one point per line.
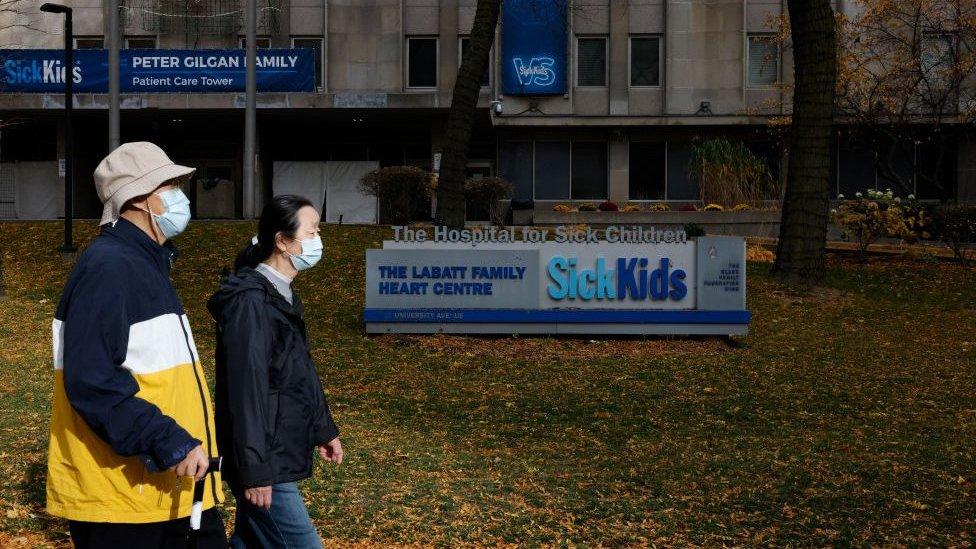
250	108
113	75
69	63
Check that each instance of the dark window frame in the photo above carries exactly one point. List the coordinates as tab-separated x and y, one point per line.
486	82
770	38
407	64
606	64
320	62
90	39
130	39
630	59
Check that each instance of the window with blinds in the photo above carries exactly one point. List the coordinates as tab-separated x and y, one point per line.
763	60
645	61
591	62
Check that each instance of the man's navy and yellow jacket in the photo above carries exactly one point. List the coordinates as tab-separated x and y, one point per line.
130	398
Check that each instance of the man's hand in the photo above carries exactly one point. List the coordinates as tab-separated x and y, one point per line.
194	464
259	496
332	451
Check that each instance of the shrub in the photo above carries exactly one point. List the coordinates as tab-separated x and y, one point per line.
631	208
688	208
694	229
728	172
918	219
660	207
958	224
741	208
403	192
759	254
865	219
562	208
486	192
587	207
608	206
713	208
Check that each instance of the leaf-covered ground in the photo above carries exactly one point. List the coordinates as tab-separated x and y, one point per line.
847	417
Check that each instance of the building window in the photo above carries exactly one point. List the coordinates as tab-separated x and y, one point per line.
589	181
648	170
552	169
262	42
591	62
421	62
485	78
937	52
515	165
141	43
763	60
316	45
555	170
681	184
645	61
89	43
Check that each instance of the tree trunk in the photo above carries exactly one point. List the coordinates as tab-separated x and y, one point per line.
457	137
803	232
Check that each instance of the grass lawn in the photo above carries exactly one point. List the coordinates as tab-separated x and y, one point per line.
847	418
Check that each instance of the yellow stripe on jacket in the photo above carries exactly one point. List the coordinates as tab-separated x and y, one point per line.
87	480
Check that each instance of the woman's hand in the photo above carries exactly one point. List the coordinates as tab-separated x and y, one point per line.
259	496
331	451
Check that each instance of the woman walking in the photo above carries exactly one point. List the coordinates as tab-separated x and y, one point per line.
271	412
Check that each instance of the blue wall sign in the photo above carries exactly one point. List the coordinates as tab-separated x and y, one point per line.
534	47
157	71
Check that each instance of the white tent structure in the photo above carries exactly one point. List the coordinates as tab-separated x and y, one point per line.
334	184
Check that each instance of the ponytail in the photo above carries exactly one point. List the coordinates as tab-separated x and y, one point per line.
280	215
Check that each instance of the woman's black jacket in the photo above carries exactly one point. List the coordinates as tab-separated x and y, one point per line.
270	409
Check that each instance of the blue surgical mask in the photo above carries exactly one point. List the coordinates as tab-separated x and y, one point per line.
177	215
311	254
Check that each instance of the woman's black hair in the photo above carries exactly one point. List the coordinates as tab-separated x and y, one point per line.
280	215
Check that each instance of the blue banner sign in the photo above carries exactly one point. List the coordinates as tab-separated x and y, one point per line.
157	71
534	47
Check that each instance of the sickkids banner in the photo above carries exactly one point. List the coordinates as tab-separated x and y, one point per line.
624	280
157	71
534	47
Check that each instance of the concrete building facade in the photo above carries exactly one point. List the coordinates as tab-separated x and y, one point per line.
645	80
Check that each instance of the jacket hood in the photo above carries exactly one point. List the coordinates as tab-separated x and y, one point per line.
243	280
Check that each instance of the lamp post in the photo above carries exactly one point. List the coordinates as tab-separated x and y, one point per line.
68	246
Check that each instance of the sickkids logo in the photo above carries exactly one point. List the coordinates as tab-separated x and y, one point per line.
632	279
38	71
539	71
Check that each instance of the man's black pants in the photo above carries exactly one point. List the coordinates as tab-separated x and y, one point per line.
154	535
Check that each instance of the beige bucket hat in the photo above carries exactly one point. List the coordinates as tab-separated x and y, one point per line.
133	170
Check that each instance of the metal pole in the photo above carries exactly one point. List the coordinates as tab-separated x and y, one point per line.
69	145
250	115
113	75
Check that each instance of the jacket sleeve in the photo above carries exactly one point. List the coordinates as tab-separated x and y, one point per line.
100	389
247	340
324	429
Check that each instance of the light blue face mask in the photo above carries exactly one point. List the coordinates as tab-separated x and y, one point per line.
311	254
177	214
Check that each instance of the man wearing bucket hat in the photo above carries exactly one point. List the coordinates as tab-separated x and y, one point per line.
132	423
